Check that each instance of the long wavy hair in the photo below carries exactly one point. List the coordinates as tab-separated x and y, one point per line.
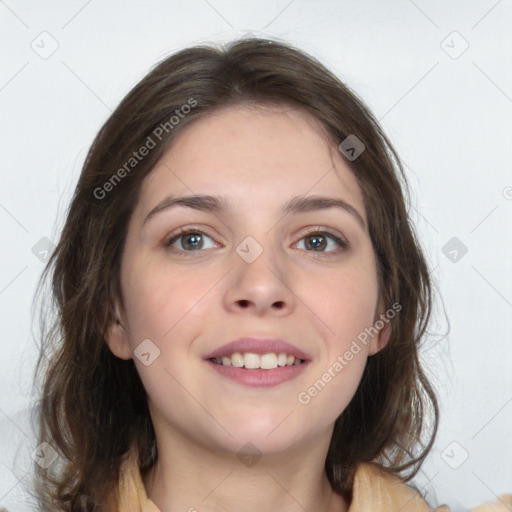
92	408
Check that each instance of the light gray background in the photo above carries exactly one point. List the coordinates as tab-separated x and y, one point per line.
447	109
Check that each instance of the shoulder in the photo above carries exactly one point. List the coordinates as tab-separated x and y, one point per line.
377	490
503	503
132	493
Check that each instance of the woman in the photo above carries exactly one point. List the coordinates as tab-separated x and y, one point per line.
241	300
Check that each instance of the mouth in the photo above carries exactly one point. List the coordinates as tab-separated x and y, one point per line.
259	377
259	362
253	361
253	352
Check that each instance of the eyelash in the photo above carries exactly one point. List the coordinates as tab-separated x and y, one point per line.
343	244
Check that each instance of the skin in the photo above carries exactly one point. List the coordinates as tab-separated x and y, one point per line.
189	303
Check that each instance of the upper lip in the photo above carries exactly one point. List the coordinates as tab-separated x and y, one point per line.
258	346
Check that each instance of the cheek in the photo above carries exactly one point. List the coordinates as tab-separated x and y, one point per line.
164	306
347	307
332	389
345	303
157	300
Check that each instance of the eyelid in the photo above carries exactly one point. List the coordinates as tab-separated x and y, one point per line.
184	231
335	235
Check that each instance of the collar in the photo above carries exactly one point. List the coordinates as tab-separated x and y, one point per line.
373	489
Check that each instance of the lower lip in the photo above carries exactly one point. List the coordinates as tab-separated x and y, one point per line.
258	377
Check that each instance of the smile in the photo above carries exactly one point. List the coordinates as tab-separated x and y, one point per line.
252	361
259	377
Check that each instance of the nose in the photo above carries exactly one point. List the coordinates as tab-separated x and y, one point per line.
261	287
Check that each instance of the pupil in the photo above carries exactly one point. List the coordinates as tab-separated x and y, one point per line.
317	241
195	238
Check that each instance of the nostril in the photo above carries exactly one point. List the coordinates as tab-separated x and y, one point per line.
244	303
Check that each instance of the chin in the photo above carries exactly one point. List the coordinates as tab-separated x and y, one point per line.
258	446
268	435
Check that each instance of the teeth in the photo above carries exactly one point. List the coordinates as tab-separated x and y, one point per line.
252	361
268	361
236	360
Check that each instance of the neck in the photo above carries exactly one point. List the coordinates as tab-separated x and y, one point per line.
199	479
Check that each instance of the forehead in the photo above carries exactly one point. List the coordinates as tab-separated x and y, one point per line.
255	155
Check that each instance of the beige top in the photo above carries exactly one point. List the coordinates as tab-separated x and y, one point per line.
373	490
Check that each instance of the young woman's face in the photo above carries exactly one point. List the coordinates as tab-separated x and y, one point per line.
249	269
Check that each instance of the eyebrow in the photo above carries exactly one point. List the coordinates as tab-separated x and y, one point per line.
219	204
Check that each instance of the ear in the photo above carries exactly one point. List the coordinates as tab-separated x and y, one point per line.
383	325
116	337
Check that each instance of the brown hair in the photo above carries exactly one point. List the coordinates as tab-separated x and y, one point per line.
93	407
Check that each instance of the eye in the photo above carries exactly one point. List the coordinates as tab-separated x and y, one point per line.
319	240
189	241
193	240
